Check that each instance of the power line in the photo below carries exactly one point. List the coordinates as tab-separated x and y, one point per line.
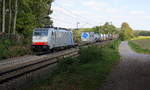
73	15
79	16
64	22
70	15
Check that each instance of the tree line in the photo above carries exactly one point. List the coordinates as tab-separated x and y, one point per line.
142	33
125	32
22	16
107	28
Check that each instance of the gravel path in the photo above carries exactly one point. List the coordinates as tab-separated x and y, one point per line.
132	72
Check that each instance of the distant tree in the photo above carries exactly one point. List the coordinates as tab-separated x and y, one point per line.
109	28
126	32
96	29
144	33
106	28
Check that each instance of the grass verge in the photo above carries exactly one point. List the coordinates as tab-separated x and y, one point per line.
138	48
86	72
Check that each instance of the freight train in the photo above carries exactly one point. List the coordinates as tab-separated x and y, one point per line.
90	37
51	38
44	39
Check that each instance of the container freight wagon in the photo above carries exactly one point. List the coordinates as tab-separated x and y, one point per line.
87	37
51	38
97	37
101	37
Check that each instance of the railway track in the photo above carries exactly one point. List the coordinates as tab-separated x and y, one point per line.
14	71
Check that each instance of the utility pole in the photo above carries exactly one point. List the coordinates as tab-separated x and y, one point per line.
100	27
78	25
99	30
76	31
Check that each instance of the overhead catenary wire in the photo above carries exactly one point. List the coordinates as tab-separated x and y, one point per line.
64	22
70	11
74	16
71	16
70	22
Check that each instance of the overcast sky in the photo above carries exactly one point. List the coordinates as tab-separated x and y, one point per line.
66	13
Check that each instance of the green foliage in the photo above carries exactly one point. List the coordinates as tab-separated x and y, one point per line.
9	48
26	24
126	32
31	14
66	65
79	74
114	45
89	54
108	28
144	33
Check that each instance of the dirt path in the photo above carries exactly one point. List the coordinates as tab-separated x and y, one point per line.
132	72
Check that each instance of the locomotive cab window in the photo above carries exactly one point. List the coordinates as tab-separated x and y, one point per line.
41	32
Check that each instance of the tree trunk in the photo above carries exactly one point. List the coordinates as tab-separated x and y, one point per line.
15	17
4	13
10	17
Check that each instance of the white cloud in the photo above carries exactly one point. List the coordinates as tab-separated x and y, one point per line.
137	12
93	12
113	10
97	5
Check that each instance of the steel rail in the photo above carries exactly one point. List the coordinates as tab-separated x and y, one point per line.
11	74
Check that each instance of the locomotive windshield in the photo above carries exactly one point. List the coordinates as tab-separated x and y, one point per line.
40	32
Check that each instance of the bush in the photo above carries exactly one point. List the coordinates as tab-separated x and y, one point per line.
114	45
89	54
10	48
66	65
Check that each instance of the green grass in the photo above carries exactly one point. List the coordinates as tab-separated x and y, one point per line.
140	46
144	43
86	72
